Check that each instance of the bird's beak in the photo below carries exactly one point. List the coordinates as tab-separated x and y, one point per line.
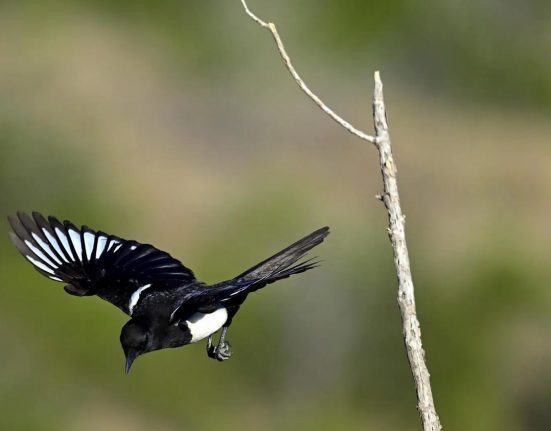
130	356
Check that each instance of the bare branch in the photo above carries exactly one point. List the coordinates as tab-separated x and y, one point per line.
281	48
406	299
397	234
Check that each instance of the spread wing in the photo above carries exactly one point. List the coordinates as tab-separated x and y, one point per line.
94	263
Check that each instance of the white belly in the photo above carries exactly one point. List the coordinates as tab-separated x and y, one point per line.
202	325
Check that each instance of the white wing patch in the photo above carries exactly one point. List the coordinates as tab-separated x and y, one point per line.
202	325
112	243
46	247
39	253
75	239
136	297
54	243
89	243
102	241
65	242
40	265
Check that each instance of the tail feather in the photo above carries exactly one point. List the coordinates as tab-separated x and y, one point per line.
233	292
296	269
283	264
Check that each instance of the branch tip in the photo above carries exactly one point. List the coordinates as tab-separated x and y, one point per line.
378	89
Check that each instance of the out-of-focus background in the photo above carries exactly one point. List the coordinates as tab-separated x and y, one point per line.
175	123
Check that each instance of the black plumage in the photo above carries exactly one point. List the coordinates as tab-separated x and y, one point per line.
168	306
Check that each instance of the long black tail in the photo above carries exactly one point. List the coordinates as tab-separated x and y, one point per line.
282	264
233	292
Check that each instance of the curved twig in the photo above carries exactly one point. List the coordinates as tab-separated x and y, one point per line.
281	48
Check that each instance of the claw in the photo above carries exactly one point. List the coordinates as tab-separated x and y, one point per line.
223	351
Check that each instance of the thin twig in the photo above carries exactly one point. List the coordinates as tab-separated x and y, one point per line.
281	48
397	234
406	298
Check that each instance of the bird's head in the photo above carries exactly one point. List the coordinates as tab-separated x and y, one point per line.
135	341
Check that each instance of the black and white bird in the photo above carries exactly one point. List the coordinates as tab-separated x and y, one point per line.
168	306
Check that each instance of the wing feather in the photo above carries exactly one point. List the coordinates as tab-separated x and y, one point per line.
93	262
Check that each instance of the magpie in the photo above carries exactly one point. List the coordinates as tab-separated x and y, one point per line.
167	305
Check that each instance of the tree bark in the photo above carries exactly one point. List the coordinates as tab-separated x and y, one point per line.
411	329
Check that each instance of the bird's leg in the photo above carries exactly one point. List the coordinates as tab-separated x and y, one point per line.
211	350
221	351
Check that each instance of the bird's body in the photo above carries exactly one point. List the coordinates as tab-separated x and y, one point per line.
168	306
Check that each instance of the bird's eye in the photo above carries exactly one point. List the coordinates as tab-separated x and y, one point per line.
143	342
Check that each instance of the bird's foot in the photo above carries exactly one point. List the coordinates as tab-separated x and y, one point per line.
220	352
223	351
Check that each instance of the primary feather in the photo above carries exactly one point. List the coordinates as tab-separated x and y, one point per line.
94	263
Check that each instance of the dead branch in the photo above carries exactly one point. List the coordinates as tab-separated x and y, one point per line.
411	328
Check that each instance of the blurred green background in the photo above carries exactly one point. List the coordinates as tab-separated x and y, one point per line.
175	123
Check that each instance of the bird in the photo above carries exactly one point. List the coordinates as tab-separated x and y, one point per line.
167	305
